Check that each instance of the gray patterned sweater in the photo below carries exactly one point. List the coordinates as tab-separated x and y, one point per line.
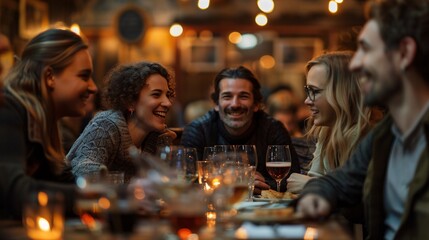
105	141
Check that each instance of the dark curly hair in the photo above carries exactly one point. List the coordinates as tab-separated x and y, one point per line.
125	82
239	72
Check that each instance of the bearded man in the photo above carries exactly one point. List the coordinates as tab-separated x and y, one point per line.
238	118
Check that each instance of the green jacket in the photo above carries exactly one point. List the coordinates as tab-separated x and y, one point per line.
363	177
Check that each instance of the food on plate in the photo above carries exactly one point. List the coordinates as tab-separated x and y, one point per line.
275	212
273	194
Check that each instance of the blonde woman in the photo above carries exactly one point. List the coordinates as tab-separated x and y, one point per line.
338	119
50	81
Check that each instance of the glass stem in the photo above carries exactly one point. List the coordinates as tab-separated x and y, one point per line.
278	185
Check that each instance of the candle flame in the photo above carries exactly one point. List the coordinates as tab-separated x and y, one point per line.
43	224
42	197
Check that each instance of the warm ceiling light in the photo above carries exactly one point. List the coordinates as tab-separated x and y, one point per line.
234	37
339	1
176	30
248	41
261	19
333	6
267	61
266	6
203	4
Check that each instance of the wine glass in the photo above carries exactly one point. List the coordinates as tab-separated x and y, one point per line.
224	156
174	157
191	157
278	162
247	155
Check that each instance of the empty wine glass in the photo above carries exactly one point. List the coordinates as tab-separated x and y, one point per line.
246	154
191	157
278	162
174	157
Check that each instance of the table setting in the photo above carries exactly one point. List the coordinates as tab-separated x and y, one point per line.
174	196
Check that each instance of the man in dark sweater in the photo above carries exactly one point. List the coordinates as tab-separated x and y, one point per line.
238	119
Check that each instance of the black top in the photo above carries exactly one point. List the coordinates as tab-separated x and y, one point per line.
20	148
209	130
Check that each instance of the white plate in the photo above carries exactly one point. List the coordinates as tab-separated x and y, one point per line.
249	205
258	199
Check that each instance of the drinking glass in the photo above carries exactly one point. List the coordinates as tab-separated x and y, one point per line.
205	169
115	177
278	162
224	155
211	154
92	201
246	154
191	158
43	215
174	157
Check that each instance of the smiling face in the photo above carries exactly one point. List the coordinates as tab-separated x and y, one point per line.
71	88
321	112
153	104
379	68
236	104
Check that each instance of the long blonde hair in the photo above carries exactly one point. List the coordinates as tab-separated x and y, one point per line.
54	48
343	94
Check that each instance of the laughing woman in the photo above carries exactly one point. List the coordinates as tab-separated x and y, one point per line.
338	120
51	80
138	96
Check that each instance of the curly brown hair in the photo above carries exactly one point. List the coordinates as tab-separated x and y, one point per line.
124	83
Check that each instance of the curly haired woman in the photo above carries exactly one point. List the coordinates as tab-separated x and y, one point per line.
139	96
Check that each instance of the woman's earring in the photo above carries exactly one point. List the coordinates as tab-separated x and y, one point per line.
131	113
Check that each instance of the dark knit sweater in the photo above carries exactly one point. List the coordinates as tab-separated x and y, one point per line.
209	130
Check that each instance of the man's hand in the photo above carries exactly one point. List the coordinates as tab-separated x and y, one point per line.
313	206
296	182
260	184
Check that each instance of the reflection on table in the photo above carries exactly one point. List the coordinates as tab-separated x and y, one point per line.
248	224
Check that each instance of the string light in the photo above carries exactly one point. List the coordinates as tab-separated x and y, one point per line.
333	6
203	4
176	30
266	6
261	19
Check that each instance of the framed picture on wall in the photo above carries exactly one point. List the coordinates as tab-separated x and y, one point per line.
202	55
33	17
293	53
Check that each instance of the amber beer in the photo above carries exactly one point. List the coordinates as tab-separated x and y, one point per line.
278	170
192	221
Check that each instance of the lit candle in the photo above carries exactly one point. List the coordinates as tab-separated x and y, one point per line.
43	218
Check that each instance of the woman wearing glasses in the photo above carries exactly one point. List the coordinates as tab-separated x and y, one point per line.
338	119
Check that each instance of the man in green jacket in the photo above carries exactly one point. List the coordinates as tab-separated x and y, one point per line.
390	168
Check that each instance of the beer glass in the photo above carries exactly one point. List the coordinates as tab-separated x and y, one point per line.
278	162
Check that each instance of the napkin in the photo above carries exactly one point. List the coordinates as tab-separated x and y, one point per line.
251	231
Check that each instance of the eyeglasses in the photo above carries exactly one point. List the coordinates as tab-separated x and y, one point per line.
312	92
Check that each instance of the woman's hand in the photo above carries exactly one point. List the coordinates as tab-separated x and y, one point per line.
166	137
260	184
296	182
